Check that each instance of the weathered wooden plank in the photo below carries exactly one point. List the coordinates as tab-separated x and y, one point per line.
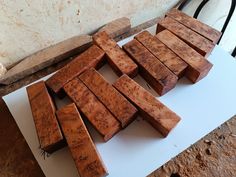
120	62
195	25
98	115
199	43
47	57
198	66
82	148
117	27
90	58
43	111
115	102
151	69
156	113
163	53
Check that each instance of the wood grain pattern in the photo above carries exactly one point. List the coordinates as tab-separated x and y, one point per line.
43	111
120	62
90	58
116	103
117	27
195	40
163	53
195	25
151	69
198	67
47	57
98	115
82	148
156	113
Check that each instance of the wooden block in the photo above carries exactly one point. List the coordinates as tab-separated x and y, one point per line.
151	69
43	111
82	148
120	62
163	53
117	27
88	59
98	115
156	113
198	65
195	40
47	57
195	25
116	103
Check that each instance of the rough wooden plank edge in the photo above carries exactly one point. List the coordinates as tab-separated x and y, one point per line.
47	57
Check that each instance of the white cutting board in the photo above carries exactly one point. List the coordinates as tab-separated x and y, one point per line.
139	149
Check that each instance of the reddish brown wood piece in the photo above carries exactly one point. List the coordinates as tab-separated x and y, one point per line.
98	115
163	53
120	62
82	148
195	25
43	111
116	103
156	113
88	59
198	65
195	40
151	69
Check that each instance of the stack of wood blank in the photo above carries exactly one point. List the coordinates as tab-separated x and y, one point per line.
161	60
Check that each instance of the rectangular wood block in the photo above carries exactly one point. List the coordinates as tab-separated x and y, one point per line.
82	148
120	62
156	113
88	59
43	111
198	66
97	114
199	43
151	69
195	25
163	53
116	103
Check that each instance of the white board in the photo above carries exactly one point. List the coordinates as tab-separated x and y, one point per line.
139	149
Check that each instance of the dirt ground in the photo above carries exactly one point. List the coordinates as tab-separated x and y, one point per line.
212	156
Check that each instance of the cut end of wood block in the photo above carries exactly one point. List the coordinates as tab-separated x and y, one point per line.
3	70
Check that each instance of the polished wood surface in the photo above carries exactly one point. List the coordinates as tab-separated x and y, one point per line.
97	114
156	113
92	57
82	148
151	69
198	65
115	102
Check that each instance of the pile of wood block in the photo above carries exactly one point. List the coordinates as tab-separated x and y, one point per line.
178	49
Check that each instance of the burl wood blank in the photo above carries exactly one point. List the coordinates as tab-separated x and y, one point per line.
199	43
82	148
156	113
151	69
97	114
163	53
198	66
117	104
43	111
195	25
120	62
88	59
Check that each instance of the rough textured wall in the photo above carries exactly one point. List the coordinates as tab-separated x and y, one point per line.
27	26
